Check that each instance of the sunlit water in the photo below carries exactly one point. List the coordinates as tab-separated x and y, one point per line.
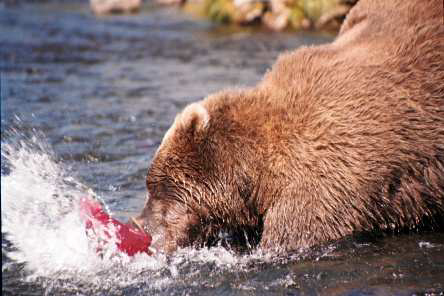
85	103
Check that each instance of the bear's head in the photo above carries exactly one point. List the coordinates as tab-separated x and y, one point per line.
200	181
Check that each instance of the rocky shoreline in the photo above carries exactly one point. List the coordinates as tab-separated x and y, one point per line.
276	15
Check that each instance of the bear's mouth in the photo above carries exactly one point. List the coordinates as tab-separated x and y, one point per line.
135	224
156	234
239	240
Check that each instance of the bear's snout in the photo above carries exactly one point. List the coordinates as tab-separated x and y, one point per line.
151	227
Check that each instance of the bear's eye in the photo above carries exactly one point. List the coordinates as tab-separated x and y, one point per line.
156	187
167	190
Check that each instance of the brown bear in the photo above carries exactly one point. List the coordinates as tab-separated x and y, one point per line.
337	139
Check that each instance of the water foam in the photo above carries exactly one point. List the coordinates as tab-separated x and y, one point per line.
40	213
41	218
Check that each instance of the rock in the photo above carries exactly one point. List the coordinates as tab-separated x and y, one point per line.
241	12
275	14
101	7
275	21
248	11
304	14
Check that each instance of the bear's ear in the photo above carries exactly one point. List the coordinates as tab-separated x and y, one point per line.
194	118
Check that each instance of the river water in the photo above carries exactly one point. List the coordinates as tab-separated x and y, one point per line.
85	102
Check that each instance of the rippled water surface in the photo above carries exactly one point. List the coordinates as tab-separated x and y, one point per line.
85	102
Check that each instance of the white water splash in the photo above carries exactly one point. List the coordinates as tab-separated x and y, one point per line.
41	218
427	245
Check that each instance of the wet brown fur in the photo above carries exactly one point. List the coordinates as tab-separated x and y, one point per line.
336	139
